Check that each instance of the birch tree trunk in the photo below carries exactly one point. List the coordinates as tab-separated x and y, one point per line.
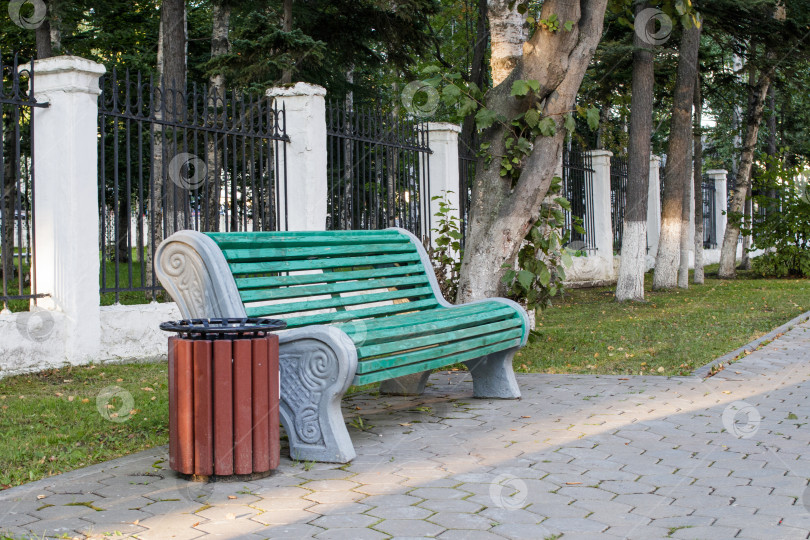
221	19
679	165
501	214
630	284
698	183
508	33
728	253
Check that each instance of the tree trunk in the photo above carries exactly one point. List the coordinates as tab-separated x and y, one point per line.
698	183
221	19
773	195
745	260
686	219
500	213
173	16
728	253
287	25
8	198
508	32
678	168
346	215
171	66
630	284
43	37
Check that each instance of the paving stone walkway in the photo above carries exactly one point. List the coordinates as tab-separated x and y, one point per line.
578	456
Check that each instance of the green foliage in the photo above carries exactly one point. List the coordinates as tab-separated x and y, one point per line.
542	258
784	233
447	255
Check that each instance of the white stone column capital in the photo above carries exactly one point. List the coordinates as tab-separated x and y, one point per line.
655	159
299	89
599	154
445	129
69	74
716	173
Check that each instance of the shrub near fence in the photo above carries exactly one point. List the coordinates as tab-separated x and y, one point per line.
171	160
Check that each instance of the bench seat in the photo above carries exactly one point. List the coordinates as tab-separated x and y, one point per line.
361	307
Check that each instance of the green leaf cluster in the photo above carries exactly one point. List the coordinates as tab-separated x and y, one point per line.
784	231
542	258
447	254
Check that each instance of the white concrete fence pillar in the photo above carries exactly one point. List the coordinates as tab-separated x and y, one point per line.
304	196
654	206
66	197
443	172
603	225
718	176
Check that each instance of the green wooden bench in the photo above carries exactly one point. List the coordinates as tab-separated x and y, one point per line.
361	307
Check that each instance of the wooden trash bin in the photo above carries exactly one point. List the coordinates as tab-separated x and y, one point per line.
223	397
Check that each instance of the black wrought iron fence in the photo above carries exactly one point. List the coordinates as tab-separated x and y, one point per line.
171	160
578	189
377	170
709	215
467	163
618	198
18	253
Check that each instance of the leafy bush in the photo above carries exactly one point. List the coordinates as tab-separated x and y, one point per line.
784	234
540	264
446	256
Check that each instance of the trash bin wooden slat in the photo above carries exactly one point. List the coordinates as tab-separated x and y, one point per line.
223	408
203	418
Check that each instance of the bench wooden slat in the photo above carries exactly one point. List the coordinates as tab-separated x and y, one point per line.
387	328
285	253
319	264
436	337
342	301
307	291
327	277
348	315
472	354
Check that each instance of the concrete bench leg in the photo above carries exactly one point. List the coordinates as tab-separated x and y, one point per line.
317	367
407	385
493	376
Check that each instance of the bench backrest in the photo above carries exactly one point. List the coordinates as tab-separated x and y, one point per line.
327	276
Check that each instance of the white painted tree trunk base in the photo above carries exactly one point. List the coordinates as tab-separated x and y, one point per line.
630	285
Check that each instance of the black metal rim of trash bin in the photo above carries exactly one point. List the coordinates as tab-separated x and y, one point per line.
231	328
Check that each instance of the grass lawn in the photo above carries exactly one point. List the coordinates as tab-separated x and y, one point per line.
673	333
59	420
51	421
